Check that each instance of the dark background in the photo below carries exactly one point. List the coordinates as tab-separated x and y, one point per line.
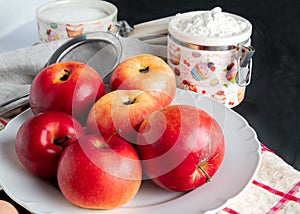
272	101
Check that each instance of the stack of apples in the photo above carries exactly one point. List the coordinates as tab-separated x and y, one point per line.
97	143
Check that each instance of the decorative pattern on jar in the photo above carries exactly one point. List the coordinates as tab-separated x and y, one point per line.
209	65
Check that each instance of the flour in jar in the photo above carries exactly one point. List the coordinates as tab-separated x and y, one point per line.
72	13
213	23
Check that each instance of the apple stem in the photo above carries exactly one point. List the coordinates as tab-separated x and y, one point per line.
113	134
61	141
144	70
205	173
65	77
129	102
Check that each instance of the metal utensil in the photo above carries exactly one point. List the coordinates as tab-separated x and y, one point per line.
100	50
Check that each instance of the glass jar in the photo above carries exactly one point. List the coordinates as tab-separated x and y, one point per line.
214	65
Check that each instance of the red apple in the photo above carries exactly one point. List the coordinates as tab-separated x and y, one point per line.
121	109
96	174
71	87
146	72
41	139
181	147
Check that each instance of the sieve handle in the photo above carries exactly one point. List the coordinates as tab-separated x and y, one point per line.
153	32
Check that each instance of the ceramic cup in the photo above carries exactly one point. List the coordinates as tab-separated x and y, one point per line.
211	65
71	18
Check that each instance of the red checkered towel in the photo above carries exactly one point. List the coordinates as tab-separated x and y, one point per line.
275	189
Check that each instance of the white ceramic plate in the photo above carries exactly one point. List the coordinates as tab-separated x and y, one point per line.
240	164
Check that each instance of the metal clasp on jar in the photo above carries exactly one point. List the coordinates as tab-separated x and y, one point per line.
244	65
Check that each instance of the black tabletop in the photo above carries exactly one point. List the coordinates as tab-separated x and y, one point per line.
272	101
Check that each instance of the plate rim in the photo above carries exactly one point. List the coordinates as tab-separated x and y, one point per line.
14	121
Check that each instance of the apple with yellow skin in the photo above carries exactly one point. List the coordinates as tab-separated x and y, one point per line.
181	147
121	109
98	174
148	73
71	87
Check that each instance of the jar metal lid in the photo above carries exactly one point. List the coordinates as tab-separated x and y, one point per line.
208	41
207	48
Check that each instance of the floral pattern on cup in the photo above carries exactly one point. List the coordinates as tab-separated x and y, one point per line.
74	30
54	29
52	35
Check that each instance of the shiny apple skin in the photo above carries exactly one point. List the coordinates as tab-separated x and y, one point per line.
70	87
174	141
98	175
114	111
41	139
159	79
